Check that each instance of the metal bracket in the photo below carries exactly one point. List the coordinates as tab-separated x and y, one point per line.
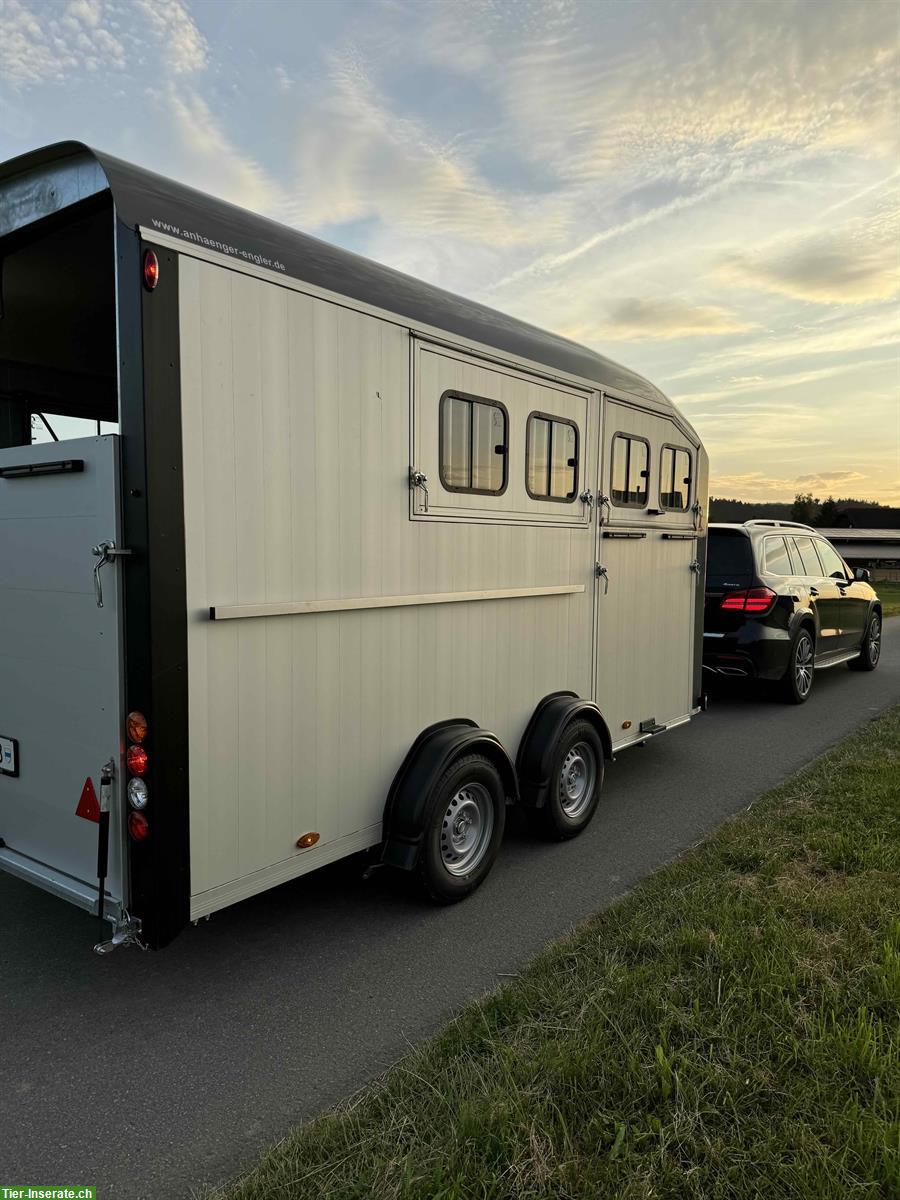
126	932
106	552
418	480
697	510
695	565
603	502
600	572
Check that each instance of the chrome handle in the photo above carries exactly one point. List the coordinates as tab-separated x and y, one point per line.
813	591
105	553
418	480
602	573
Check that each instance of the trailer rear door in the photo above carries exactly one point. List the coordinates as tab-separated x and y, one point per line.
60	662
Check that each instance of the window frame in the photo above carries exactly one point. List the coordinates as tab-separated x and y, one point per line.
472	400
819	542
798	537
785	541
545	416
690	482
630	437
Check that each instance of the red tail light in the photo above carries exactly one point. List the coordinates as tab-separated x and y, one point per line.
138	826
757	601
136	760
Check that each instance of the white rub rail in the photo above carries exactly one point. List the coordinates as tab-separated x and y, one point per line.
231	612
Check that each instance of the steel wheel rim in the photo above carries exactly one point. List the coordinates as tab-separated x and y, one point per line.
466	829
577	779
874	640
803	666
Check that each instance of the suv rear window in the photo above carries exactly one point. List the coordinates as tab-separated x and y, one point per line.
729	558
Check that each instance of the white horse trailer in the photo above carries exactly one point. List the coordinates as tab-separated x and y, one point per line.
323	560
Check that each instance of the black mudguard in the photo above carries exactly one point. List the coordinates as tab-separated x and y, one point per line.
430	755
547	722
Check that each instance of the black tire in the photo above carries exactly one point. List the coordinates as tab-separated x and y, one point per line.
471	786
567	812
871	646
796	683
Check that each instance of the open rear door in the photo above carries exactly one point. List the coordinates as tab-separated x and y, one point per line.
60	663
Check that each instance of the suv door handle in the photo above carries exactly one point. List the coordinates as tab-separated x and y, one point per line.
813	591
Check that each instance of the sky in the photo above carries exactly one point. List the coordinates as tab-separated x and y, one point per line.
708	192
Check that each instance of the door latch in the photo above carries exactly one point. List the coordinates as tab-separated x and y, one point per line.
695	565
601	572
419	480
587	497
106	552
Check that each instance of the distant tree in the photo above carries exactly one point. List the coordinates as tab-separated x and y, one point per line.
829	514
804	508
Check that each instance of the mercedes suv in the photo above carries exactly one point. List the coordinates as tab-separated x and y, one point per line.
782	604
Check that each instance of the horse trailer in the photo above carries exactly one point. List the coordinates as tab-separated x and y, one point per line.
301	557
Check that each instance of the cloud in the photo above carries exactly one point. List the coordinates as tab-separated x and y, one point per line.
632	318
201	153
847	266
826	478
75	36
186	49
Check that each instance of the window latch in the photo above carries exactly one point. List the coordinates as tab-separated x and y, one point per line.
419	480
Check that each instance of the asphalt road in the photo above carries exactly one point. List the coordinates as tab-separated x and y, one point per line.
151	1074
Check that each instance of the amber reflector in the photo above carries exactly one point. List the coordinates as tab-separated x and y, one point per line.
626	724
308	839
136	727
151	270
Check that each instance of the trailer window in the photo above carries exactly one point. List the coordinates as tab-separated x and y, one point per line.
675	478
474	444
551	458
630	471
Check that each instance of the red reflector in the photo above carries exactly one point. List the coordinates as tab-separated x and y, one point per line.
136	760
88	805
138	826
751	600
151	270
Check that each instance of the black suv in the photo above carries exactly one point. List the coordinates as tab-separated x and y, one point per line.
781	603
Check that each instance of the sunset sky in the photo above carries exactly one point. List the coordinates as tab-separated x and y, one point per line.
708	192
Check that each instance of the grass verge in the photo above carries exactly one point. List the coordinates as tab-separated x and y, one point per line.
889	594
730	1029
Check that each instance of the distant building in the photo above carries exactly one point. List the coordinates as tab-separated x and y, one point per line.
876	548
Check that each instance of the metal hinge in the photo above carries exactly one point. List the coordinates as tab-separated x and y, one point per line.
126	932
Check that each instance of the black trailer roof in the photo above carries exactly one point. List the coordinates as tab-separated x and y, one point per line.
142	198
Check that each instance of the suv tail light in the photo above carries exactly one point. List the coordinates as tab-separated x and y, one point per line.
757	601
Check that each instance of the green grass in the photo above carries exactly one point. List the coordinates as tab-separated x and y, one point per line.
889	593
730	1029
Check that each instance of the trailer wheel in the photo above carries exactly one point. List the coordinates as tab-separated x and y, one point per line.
575	782
467	814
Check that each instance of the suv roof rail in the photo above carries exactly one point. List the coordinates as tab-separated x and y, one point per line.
781	524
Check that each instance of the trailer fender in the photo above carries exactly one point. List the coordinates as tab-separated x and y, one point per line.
547	722
430	755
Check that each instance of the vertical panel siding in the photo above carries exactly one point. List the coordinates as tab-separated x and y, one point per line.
296	442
